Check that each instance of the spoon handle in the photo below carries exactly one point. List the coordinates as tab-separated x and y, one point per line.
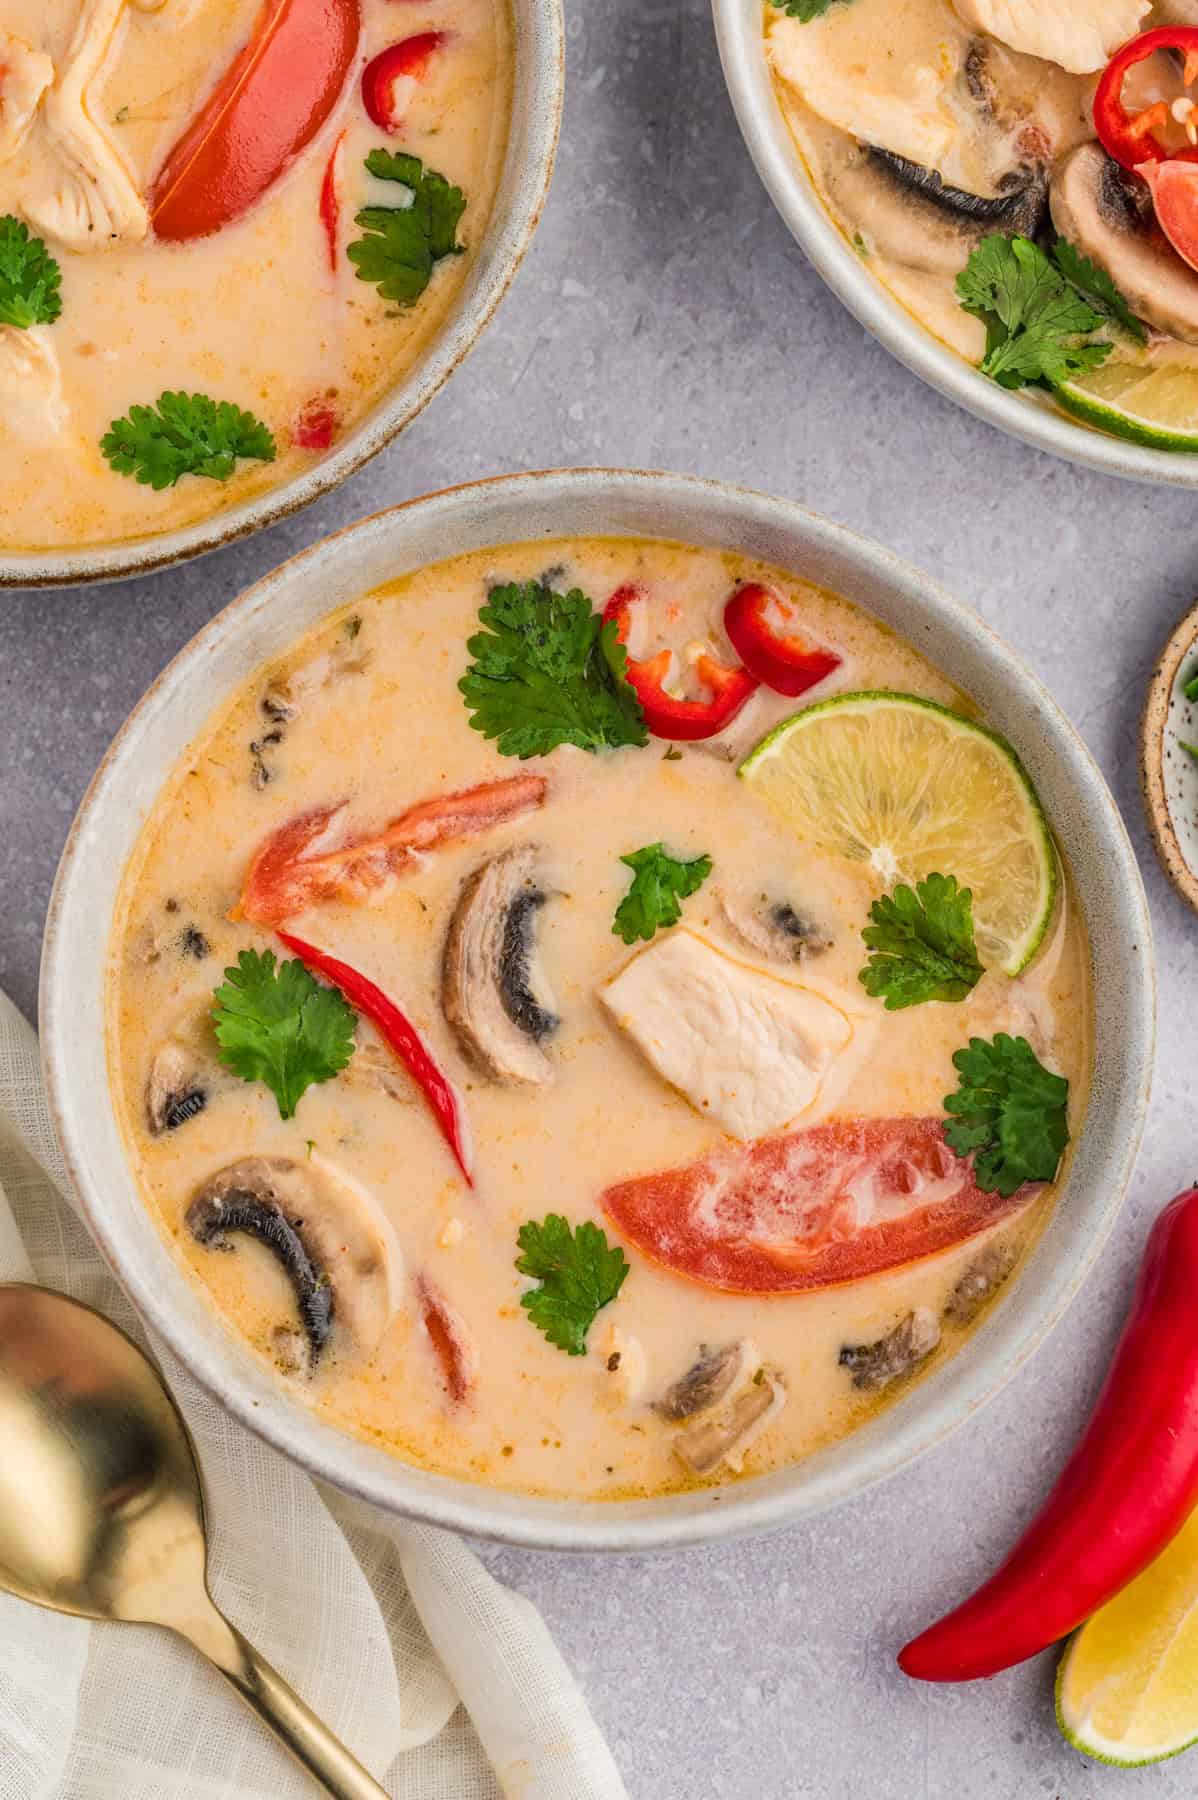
278	1705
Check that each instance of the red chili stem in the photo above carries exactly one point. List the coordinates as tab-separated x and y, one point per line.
410	57
1126	136
1128	1488
665	715
402	1037
781	658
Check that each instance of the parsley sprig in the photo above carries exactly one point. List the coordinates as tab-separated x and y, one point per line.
659	883
1009	1113
30	278
803	10
579	1273
185	434
548	671
1036	320
402	244
923	944
278	1025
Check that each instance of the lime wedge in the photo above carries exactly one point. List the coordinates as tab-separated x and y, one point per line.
913	789
1130	398
1127	1689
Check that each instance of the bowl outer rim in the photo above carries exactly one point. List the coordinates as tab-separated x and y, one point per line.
756	1506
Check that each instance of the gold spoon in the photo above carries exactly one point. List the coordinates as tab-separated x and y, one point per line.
102	1508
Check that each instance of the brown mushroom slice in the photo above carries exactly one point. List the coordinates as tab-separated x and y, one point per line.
772	928
492	989
726	1437
177	1088
718	1372
327	1232
980	1282
1107	215
874	1366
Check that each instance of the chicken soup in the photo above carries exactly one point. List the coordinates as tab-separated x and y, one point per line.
226	228
599	1017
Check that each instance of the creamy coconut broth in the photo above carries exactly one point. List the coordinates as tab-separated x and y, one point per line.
430	1352
162	292
929	126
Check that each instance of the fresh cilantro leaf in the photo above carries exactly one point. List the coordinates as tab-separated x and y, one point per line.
281	1026
1191	687
1035	320
1096	286
29	278
185	434
803	10
579	1274
402	243
922	943
659	882
1190	749
1009	1112
547	671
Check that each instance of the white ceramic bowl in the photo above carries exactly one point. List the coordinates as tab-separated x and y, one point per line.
537	100
265	621
1029	415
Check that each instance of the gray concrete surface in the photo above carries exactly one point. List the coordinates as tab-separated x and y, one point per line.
665	318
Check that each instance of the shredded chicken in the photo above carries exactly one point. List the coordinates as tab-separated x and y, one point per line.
25	75
1079	35
32	408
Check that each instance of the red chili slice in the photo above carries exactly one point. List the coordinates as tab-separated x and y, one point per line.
330	201
290	873
453	1345
1131	138
316	425
274	98
665	715
389	80
809	1209
778	655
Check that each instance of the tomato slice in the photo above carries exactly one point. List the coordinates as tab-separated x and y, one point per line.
809	1209
273	99
1174	187
292	871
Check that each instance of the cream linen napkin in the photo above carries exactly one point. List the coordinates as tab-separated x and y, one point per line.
447	1685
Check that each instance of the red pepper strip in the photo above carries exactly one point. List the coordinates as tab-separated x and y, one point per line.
1128	1488
315	426
453	1345
384	99
330	200
1129	138
401	1036
666	716
780	658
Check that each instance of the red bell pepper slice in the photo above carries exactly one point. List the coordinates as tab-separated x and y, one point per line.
316	425
398	1032
389	79
330	200
785	1214
665	715
273	100
777	655
1131	138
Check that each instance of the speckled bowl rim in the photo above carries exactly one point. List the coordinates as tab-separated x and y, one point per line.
615	502
1033	418
537	103
1157	702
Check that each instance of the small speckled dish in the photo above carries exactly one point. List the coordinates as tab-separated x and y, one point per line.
1169	772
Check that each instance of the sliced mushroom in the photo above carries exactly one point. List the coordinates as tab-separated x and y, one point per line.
772	928
717	1373
727	1436
177	1088
327	1232
492	989
1108	215
874	1366
980	1281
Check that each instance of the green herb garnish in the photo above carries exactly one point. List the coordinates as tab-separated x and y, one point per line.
185	434
1009	1113
1096	287
1035	319
1191	687
659	883
548	671
923	944
30	278
804	10
1190	749
278	1025
402	244
579	1274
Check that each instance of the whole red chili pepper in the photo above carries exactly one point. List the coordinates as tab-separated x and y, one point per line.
1130	138
779	657
1125	1492
382	97
330	200
665	715
402	1037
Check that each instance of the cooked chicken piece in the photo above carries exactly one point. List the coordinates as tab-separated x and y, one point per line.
1108	216
25	74
1078	35
726	1438
91	200
748	1049
32	408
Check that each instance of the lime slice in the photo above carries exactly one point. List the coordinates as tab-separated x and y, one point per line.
1127	1689
912	789
1156	405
